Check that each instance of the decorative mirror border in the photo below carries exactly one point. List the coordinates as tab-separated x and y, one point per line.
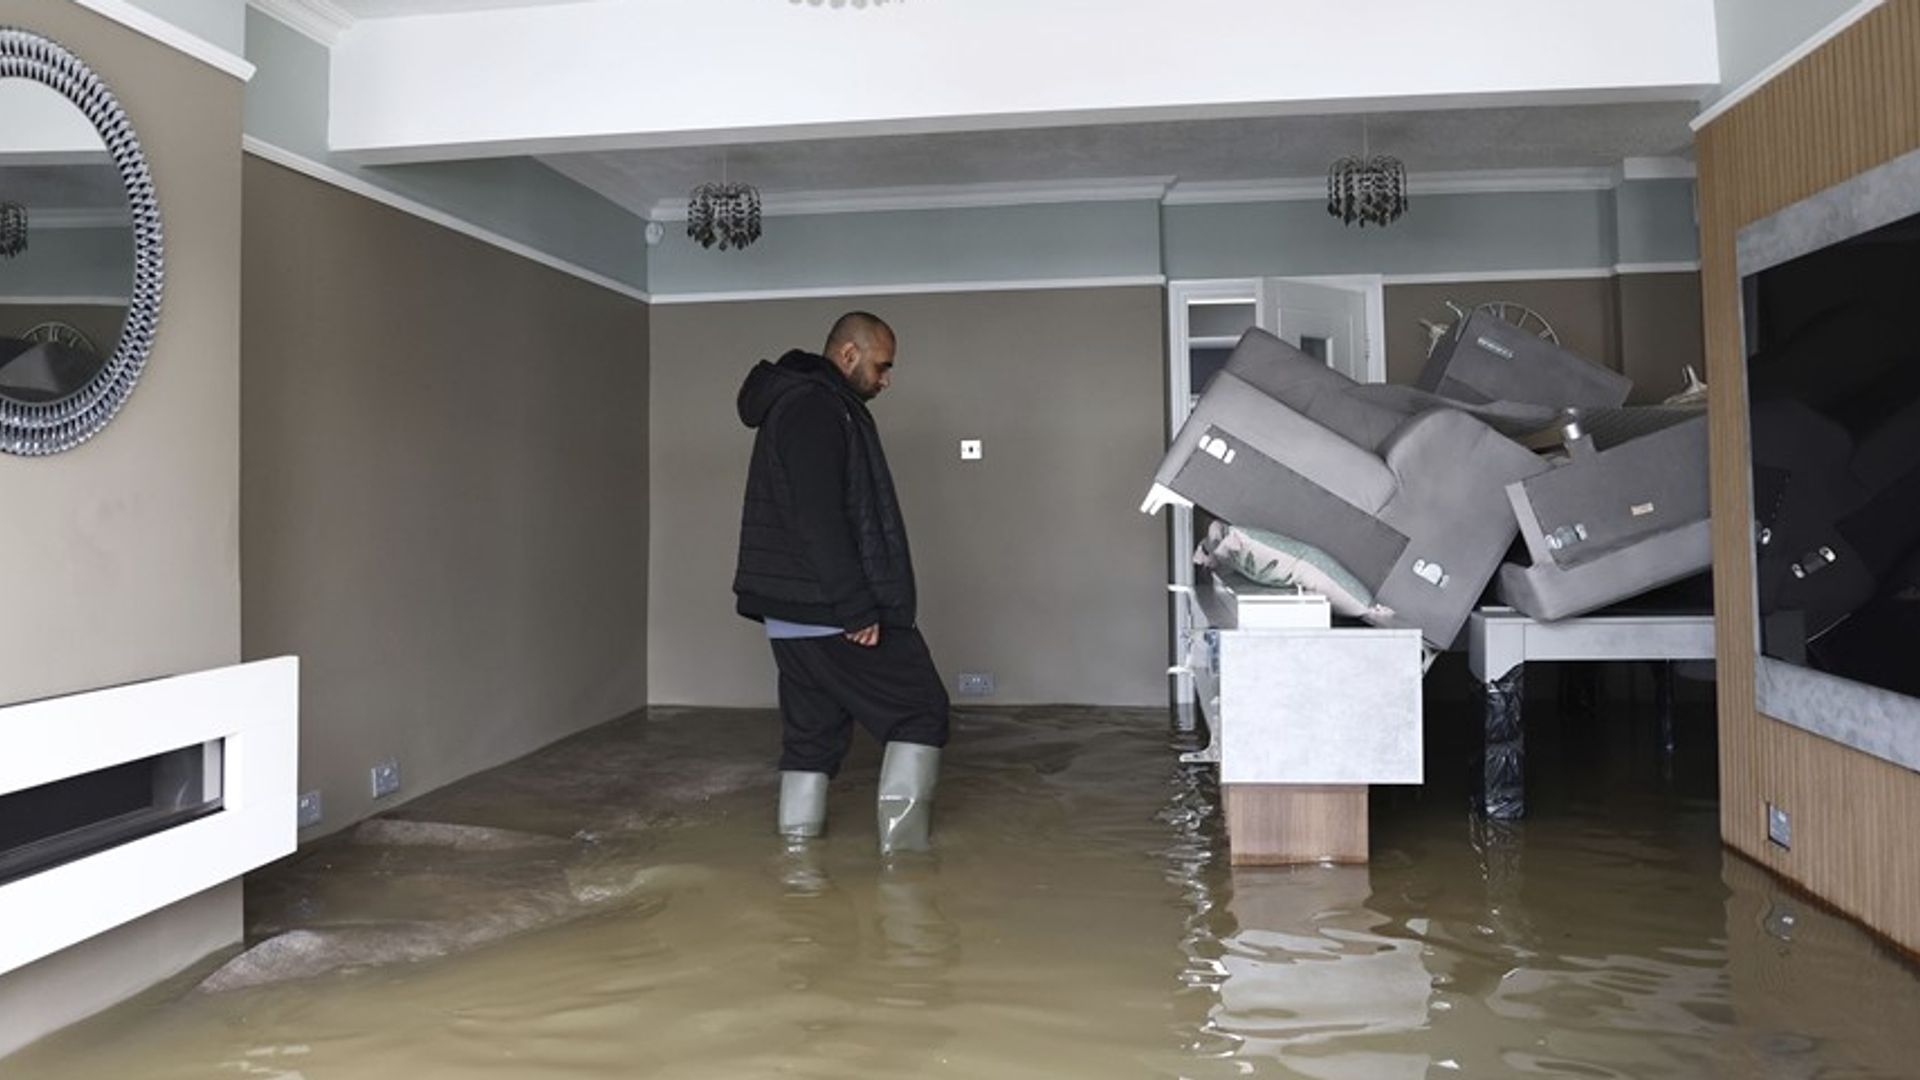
50	427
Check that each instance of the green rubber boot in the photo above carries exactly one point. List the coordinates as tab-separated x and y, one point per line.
803	804
908	774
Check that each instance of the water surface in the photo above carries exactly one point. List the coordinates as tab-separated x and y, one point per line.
617	906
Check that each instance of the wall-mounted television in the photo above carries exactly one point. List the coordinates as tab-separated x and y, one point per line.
1830	291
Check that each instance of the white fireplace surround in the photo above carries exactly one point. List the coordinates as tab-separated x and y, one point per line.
253	708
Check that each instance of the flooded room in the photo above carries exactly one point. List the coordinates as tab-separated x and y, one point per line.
893	538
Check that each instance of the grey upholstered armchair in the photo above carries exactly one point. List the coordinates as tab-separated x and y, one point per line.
1625	513
1488	359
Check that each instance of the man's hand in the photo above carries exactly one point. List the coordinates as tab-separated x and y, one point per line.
868	637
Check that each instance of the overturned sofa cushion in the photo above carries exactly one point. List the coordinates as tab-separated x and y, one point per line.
1269	558
1547	591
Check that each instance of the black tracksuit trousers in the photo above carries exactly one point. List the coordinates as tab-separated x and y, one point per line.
827	683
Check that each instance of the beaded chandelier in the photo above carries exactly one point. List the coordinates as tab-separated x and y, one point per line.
1369	189
724	214
13	229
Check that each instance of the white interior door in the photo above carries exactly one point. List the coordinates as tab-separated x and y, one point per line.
1327	321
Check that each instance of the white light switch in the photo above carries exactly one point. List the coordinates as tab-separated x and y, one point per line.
969	449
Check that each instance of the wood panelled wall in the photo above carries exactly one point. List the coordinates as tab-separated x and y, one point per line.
1851	105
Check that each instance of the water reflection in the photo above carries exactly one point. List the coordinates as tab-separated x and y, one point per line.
1078	919
1314	977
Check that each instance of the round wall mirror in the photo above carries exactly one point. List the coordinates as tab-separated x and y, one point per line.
80	257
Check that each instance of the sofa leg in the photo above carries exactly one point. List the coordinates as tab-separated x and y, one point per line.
1503	791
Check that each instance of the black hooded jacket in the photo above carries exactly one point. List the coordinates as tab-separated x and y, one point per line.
821	537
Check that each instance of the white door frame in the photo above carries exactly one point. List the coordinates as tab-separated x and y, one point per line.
1375	286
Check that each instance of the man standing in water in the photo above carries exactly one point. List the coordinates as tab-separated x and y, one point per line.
824	564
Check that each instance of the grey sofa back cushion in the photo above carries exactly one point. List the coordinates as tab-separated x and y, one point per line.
1311	388
1489	359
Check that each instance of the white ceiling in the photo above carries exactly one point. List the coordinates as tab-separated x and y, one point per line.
1193	151
382	9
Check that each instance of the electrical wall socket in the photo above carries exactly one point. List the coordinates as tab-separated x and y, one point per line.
976	684
386	778
308	813
1779	826
970	449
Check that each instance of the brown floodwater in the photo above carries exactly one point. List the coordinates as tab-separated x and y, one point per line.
617	906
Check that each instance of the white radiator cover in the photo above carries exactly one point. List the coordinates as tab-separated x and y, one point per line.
253	707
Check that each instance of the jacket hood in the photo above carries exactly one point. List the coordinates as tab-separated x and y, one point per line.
768	382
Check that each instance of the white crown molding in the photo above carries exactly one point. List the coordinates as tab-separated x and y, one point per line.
1573	273
1207	192
146	22
945	197
1453	277
1492	181
1688	267
912	289
320	20
1747	89
267	151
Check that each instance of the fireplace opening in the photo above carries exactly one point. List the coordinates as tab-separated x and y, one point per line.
43	827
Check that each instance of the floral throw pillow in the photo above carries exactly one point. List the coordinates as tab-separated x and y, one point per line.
1268	558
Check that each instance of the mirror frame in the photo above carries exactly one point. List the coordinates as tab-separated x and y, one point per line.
50	427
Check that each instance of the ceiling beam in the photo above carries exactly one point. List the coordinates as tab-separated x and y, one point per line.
626	74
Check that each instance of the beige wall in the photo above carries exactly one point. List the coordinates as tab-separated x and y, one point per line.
1033	563
1647	325
123	555
1660	332
445	490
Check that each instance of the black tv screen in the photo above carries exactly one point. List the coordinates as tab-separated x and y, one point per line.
1833	344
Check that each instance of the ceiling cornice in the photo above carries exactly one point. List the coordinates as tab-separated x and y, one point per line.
1434	183
946	197
164	31
321	20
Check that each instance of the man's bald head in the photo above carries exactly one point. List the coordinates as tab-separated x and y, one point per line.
862	347
859	328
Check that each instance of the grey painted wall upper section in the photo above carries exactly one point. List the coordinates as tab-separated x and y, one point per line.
1655	222
1639	222
517	198
1440	234
1005	243
217	22
1755	33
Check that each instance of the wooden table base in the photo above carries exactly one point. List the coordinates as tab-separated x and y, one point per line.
1276	824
